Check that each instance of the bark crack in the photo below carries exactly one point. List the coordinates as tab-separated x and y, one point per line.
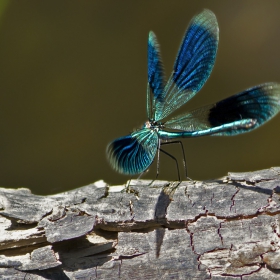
131	208
232	199
127	257
219	233
243	274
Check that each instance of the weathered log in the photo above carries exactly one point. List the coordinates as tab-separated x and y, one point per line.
220	229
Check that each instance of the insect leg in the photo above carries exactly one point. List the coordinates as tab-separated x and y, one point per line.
175	161
183	152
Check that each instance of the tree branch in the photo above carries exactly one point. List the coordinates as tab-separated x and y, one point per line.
219	229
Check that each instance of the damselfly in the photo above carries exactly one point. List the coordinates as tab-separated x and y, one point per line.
243	112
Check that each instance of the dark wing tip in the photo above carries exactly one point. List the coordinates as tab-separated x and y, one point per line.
260	103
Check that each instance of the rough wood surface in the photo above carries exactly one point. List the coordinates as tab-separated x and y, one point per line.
220	229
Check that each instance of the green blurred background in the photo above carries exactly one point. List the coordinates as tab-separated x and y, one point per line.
73	77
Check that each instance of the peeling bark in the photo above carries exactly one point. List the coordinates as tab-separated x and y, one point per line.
219	229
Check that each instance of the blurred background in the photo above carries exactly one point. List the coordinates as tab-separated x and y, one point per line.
73	77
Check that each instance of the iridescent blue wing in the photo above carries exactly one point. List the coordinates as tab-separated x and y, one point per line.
193	64
156	81
134	153
259	103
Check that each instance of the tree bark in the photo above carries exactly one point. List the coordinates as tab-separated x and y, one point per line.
221	229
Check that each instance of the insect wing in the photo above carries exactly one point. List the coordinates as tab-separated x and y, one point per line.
193	65
156	81
259	103
134	153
